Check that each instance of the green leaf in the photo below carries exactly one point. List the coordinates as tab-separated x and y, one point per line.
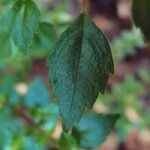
7	84
94	128
79	68
67	142
46	36
25	20
26	143
31	144
121	49
37	93
141	14
9	129
7	46
5	2
5	133
49	115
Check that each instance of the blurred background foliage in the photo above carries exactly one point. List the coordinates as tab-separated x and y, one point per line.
29	118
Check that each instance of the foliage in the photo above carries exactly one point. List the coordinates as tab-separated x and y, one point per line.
68	142
80	67
24	17
37	123
37	43
126	43
29	116
37	93
126	96
140	11
93	129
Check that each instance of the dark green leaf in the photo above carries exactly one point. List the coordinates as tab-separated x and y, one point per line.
141	14
94	128
46	36
37	93
79	68
67	142
25	18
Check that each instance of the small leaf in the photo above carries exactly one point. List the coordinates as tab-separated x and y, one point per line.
94	128
25	23
79	68
49	113
141	14
67	142
37	93
46	36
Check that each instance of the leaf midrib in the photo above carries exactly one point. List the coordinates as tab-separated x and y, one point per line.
77	70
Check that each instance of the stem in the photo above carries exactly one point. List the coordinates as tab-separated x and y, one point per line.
84	5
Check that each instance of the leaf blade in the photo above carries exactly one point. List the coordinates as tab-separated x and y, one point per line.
37	93
25	23
94	128
79	68
46	36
